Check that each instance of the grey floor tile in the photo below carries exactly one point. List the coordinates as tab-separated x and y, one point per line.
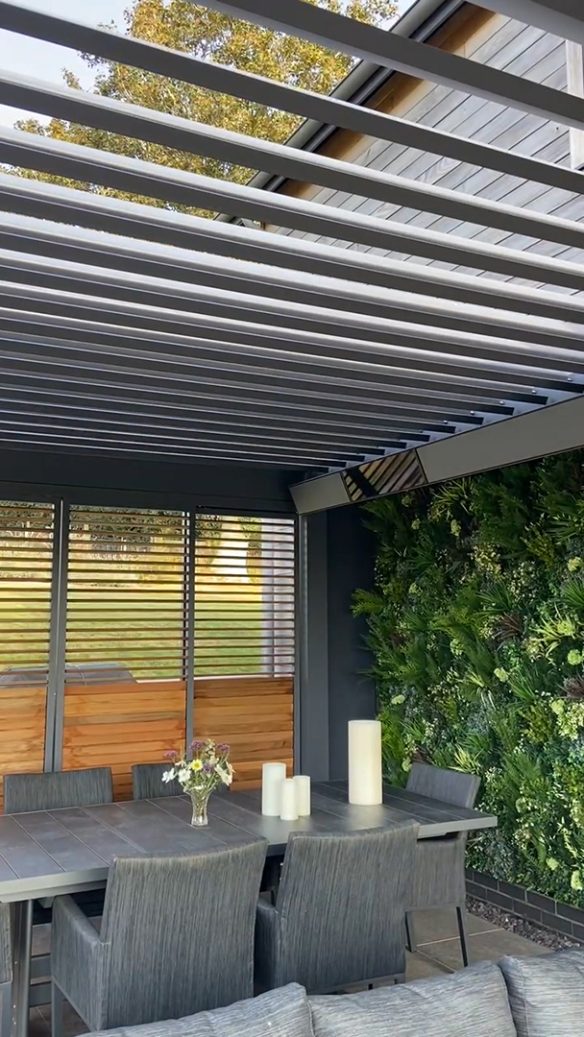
486	946
419	967
430	926
72	1024
37	1025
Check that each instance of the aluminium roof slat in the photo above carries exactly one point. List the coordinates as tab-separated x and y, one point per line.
357	39
48	355
559	17
171	131
371	337
325	110
162	227
108	251
182	188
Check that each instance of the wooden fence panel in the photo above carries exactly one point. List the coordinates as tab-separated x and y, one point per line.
117	725
255	715
22	730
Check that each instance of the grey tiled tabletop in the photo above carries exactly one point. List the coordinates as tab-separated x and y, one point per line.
45	853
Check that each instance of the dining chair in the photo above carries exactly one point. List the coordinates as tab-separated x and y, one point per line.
439	873
147	781
176	938
59	789
339	911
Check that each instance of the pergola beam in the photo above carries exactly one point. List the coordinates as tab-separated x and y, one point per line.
388	346
52	202
19	343
226	146
259	90
559	17
181	273
80	385
340	33
188	189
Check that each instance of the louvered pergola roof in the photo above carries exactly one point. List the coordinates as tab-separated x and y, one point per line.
133	330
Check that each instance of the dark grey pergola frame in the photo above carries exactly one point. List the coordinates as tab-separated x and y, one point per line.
147	332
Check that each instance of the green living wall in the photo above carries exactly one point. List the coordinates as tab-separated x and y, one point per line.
476	624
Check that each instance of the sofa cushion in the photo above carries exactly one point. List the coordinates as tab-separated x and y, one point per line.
279	1013
471	1003
547	994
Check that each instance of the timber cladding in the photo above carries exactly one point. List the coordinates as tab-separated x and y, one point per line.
117	725
22	729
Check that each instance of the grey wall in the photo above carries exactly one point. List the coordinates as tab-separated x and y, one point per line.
156	483
351	694
336	556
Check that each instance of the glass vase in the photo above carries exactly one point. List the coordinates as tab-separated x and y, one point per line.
200	800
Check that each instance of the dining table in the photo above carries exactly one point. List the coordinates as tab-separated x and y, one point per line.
48	853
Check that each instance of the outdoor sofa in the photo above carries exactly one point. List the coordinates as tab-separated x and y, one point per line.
517	997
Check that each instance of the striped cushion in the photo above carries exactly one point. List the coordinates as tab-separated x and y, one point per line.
279	1013
547	994
472	1003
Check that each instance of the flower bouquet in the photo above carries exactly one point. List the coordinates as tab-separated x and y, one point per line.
202	768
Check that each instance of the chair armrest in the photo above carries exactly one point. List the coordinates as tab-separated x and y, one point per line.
78	957
267	944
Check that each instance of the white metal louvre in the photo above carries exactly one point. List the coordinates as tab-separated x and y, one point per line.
126	593
244	596
26	551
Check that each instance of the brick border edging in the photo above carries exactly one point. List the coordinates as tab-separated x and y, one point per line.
535	907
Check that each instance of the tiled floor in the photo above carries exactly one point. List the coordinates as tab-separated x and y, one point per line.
438	952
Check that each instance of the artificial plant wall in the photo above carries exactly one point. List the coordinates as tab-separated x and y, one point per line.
477	629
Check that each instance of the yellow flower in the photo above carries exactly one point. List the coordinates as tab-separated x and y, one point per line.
196	765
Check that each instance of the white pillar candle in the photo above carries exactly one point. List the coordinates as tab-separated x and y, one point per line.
302	783
365	788
288	809
273	774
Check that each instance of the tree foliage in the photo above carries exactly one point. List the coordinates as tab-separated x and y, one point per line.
477	628
209	35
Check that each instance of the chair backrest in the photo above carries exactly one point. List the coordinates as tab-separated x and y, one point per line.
342	901
147	781
454	787
181	932
25	792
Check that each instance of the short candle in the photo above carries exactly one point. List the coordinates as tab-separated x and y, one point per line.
302	783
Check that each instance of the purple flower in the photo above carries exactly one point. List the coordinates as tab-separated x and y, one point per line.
208	768
197	745
170	754
223	748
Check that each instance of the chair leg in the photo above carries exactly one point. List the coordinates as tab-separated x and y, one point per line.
57	1000
462	934
410	941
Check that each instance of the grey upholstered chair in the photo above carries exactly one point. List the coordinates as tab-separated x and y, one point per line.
147	781
339	913
176	938
25	792
439	877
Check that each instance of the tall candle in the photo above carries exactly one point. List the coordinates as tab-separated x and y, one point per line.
288	808
273	774
302	783
365	762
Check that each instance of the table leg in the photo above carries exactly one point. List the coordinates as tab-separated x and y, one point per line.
22	940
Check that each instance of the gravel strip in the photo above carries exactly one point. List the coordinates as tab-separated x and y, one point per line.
504	920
